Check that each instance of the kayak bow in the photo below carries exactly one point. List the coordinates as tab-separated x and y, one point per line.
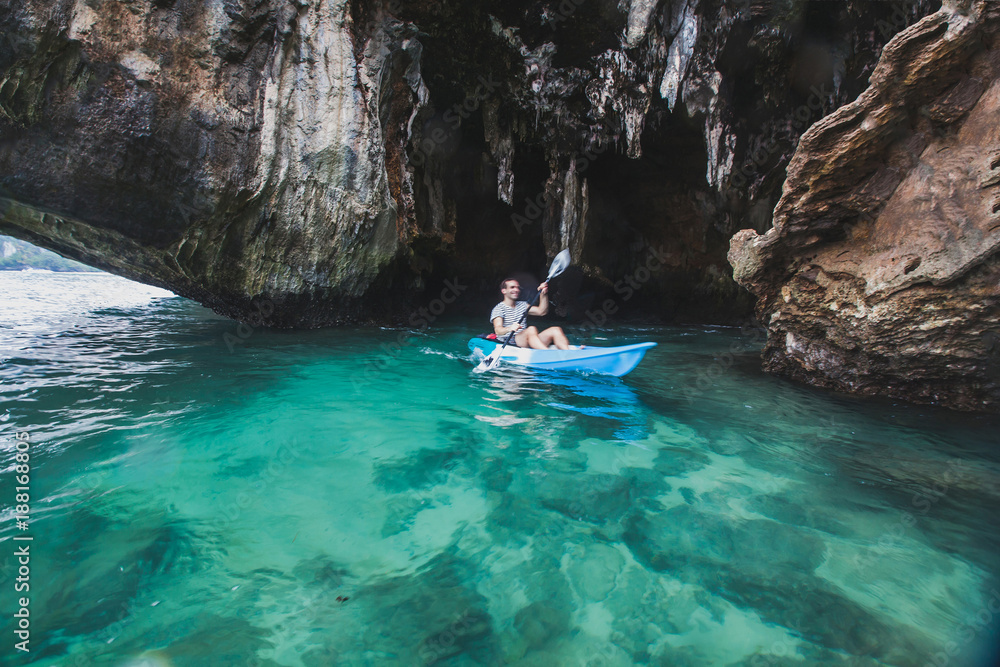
609	360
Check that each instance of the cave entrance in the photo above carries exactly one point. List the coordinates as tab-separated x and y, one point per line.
655	241
18	255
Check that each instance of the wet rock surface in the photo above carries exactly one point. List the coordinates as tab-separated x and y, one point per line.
226	154
305	165
881	273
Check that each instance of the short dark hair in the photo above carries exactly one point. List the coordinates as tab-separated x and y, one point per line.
503	283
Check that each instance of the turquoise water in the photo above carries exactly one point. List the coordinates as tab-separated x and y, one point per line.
315	498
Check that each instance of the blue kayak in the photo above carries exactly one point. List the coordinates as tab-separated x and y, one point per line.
609	360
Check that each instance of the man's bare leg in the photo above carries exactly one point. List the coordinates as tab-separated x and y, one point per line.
529	338
554	336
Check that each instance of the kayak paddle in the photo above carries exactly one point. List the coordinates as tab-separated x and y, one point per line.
559	264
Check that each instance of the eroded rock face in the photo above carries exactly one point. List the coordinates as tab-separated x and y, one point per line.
881	274
625	128
338	160
227	152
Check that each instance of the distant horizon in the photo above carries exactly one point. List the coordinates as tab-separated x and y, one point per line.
18	255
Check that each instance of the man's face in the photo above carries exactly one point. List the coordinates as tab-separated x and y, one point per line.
513	289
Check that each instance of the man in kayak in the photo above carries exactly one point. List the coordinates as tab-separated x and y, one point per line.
507	314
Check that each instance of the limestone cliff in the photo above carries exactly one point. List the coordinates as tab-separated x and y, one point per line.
881	274
225	151
340	158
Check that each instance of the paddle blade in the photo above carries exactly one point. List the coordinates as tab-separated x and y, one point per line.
488	363
559	264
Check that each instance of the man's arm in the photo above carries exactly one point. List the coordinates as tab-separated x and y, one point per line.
543	301
500	330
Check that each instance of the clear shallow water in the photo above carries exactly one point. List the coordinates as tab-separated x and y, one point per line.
315	498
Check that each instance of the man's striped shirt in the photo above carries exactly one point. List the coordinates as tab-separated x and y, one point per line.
511	316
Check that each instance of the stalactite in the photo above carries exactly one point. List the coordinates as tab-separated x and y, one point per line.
684	26
565	218
553	212
615	94
639	14
501	144
576	205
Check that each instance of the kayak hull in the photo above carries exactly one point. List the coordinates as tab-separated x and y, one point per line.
615	361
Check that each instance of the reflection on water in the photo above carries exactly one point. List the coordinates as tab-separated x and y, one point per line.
605	397
310	500
591	395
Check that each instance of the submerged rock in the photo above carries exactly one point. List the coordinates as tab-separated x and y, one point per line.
767	567
432	616
540	622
